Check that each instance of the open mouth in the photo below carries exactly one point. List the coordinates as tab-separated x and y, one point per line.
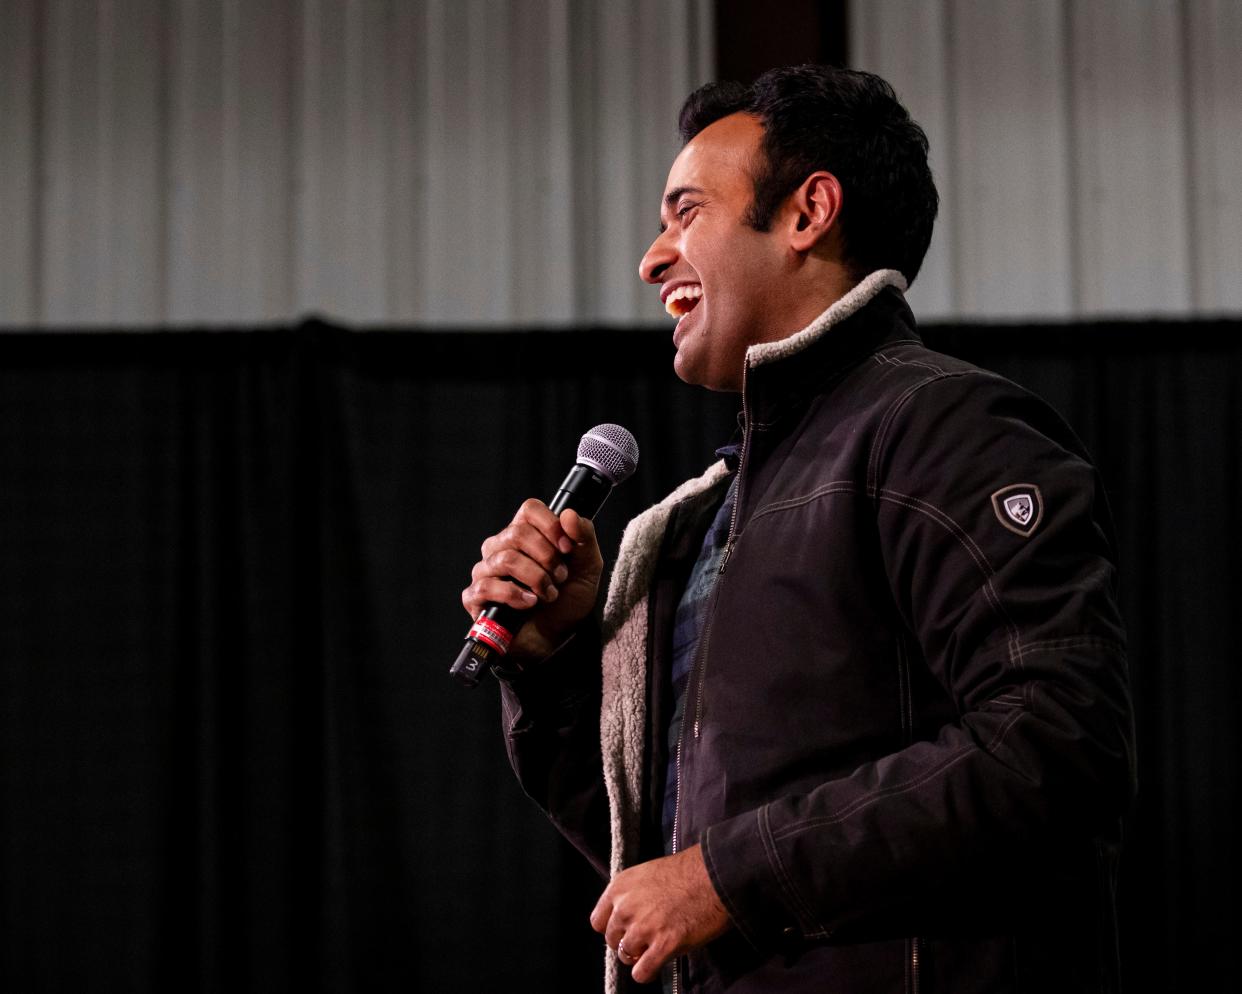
683	300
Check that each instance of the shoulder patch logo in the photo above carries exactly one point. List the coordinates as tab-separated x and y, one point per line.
1019	507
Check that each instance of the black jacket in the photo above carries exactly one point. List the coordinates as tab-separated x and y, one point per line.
908	735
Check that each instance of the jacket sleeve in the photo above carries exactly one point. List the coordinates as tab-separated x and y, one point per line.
551	714
1014	612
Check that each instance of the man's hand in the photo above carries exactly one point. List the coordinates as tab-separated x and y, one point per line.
556	559
659	910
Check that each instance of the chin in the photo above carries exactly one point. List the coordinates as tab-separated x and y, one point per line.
685	370
698	377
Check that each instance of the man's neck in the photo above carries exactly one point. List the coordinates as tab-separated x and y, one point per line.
814	290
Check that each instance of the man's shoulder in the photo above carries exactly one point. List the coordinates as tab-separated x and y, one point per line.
909	374
933	406
917	362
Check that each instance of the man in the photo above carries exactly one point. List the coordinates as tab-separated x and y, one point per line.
862	720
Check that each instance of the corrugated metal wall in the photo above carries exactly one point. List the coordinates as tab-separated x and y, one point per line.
496	162
446	162
1087	153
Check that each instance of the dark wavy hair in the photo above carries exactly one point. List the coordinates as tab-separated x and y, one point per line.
851	124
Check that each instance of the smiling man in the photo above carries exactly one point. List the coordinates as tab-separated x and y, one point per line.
729	283
857	719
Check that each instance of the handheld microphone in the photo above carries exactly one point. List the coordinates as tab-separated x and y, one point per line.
607	455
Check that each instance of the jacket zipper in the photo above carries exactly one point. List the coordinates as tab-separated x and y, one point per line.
741	466
696	669
681	739
724	561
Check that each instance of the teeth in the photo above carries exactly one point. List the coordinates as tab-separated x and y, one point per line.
680	301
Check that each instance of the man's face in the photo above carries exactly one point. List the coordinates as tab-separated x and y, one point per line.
720	277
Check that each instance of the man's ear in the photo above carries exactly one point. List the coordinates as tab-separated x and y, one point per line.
815	207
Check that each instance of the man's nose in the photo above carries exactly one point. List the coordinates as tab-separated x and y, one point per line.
657	258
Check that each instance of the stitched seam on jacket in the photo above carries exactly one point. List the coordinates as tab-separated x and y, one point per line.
709	856
975	553
868	799
908	362
789	831
1002	730
881	435
836	487
801	909
1073	642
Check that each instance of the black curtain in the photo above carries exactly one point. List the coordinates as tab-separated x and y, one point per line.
231	758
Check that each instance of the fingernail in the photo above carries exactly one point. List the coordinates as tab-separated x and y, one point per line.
529	597
560	573
552	592
565	545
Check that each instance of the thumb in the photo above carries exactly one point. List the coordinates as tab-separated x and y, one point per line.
581	531
585	560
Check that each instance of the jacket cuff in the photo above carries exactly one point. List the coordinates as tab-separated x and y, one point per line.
558	683
744	867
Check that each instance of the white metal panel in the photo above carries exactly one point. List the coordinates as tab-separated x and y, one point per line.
490	134
906	43
19	164
1130	114
540	159
369	60
472	162
133	270
194	239
1089	151
407	207
228	148
1010	180
261	142
322	205
1214	60
76	210
617	195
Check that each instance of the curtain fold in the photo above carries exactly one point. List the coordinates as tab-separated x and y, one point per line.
231	757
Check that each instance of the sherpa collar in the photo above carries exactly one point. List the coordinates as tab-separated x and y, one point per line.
851	303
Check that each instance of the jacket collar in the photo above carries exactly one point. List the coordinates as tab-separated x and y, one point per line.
780	374
837	312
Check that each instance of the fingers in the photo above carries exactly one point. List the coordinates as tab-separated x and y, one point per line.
628	939
602	911
537	514
531	539
623	954
515	564
495	591
615	932
644	957
656	910
608	919
580	530
529	551
651	960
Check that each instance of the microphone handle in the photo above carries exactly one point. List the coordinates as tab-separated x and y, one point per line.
585	490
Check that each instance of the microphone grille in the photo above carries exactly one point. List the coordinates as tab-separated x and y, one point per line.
610	449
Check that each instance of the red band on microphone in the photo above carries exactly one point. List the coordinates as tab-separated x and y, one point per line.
497	636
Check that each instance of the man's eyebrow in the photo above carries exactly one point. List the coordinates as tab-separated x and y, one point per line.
671	198
674	195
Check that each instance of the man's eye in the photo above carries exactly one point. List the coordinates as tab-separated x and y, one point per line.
683	211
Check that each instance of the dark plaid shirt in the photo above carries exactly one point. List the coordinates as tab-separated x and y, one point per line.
688	626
